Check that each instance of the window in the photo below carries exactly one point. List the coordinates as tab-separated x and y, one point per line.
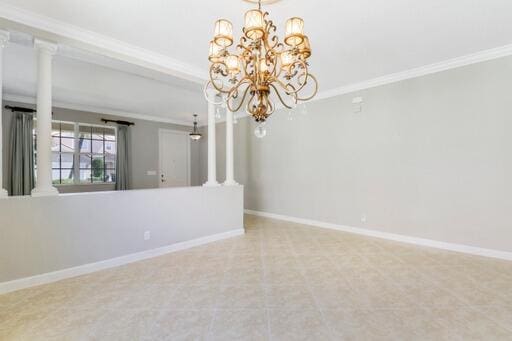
82	153
63	151
97	152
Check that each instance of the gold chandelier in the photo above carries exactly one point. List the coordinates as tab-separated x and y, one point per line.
262	68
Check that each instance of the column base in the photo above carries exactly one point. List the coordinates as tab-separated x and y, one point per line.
211	184
3	193
230	183
45	192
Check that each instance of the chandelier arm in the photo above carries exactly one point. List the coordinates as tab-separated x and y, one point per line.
314	92
275	43
212	80
269	27
280	71
219	67
234	89
219	89
279	96
231	100
242	47
207	97
248	106
286	87
245	65
301	85
272	107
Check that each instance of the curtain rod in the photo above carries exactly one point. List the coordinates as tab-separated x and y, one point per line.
126	123
20	109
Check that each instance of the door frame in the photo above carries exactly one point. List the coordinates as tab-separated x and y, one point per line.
173	131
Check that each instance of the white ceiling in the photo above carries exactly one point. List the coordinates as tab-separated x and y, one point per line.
352	41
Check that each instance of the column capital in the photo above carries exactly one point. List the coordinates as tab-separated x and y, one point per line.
4	37
46	46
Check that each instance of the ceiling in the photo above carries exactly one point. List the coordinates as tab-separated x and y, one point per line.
94	83
353	41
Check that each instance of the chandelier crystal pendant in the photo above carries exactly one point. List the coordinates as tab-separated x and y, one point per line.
195	134
263	69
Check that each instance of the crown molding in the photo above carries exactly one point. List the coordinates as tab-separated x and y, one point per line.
474	58
96	110
81	38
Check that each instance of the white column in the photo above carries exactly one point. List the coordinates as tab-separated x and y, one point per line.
230	176
212	158
45	52
4	38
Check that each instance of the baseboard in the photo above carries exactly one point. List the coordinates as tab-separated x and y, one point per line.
473	250
54	276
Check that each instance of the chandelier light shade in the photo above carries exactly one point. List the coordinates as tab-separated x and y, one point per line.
287	59
233	64
214	55
195	134
294	31
223	33
254	24
260	69
305	48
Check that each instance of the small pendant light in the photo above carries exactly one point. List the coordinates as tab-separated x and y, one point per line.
195	134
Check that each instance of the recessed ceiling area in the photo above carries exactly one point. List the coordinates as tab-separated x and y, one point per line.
97	83
352	41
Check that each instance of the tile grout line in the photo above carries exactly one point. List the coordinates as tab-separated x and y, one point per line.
330	330
267	310
209	334
457	297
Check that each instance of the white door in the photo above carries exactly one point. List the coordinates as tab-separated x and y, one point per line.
174	158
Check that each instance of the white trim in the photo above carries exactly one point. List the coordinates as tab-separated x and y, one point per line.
473	250
189	152
97	110
449	64
50	277
102	44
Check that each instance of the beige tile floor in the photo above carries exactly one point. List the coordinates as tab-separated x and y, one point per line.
280	281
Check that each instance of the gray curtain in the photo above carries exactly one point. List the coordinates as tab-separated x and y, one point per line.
122	163
21	155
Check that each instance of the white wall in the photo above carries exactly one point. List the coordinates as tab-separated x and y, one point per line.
40	235
428	157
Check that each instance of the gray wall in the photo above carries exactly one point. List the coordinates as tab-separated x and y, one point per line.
144	147
75	229
428	157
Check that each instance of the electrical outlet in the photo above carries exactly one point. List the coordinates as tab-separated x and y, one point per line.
147	235
363	218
